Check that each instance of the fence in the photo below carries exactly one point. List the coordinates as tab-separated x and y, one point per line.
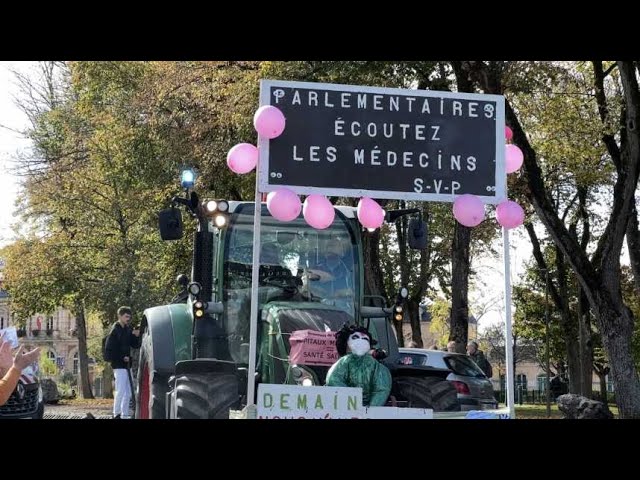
539	396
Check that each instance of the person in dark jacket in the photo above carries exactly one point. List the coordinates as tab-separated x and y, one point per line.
118	347
478	357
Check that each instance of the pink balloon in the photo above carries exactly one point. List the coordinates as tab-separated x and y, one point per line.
468	210
283	204
269	121
242	158
370	213
513	158
509	214
318	211
508	133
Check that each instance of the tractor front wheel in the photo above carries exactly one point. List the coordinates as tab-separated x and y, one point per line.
427	392
206	395
152	386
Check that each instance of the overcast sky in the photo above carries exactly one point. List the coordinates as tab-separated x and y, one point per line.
10	118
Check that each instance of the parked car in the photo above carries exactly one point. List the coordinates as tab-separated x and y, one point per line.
475	390
27	400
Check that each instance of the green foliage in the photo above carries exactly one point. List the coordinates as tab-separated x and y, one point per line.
440	311
67	378
48	367
530	323
110	141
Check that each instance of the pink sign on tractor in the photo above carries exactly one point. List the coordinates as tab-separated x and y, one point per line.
310	347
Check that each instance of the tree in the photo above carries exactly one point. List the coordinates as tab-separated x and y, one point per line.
92	187
492	342
440	321
599	274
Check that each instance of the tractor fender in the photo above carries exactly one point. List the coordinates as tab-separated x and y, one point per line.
169	327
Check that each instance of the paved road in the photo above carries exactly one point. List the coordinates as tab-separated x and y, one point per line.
76	411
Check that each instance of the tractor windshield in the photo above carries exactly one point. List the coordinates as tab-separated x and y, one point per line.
298	264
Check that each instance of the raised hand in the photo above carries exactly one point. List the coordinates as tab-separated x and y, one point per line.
22	361
6	359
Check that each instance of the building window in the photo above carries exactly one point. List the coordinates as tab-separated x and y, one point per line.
49	323
521	381
76	363
1	323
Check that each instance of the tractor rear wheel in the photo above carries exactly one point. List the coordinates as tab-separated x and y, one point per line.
200	395
152	386
427	392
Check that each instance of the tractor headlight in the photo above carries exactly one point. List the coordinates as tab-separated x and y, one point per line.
194	288
217	211
199	309
220	220
302	376
397	310
187	178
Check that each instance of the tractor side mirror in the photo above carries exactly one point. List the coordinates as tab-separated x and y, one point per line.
417	234
182	280
170	221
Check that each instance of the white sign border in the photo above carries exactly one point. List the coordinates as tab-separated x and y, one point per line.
500	178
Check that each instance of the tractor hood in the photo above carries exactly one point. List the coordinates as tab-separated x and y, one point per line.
287	317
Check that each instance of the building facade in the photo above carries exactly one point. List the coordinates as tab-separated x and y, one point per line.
55	333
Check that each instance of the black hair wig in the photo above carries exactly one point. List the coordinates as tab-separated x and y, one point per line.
342	337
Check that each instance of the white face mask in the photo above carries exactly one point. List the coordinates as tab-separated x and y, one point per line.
359	345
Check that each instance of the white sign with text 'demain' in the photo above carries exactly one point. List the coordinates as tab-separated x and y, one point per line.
297	402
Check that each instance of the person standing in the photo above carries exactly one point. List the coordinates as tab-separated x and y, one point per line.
478	357
118	347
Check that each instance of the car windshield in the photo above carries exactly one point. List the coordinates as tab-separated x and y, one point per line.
462	365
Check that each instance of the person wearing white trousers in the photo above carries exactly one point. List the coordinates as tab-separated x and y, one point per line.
117	351
123	394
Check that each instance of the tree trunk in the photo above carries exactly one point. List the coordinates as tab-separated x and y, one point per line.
569	325
107	381
460	284
83	357
374	284
399	333
585	344
615	322
573	356
413	310
584	312
614	319
633	244
410	304
460	260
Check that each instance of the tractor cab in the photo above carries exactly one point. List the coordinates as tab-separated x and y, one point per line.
195	353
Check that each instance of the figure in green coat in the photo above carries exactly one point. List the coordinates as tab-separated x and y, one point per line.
358	368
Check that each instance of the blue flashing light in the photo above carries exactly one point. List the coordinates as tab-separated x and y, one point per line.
187	178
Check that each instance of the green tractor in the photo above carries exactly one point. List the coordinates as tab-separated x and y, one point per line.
195	352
